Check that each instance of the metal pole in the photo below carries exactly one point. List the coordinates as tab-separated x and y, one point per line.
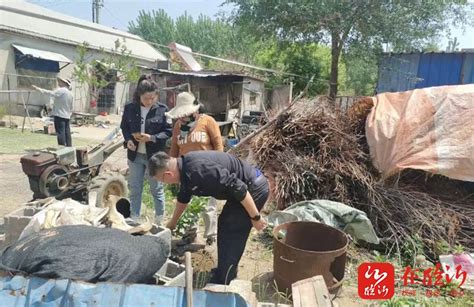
9	102
291	92
97	9
27	113
189	279
93	11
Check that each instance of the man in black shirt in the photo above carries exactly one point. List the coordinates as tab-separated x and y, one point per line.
225	177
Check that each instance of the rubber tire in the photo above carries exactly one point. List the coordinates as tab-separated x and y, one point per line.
101	183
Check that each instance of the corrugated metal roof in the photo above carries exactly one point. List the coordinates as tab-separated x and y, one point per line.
42	54
26	18
205	74
34	291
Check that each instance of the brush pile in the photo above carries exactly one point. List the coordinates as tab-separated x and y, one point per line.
314	151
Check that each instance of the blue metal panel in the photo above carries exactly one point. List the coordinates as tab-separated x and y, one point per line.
468	69
437	69
20	291
397	72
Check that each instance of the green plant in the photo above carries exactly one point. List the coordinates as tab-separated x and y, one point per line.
115	65
442	248
190	215
379	257
410	249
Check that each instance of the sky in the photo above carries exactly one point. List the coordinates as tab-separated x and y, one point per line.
117	13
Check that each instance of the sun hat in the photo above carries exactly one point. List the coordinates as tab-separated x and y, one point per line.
67	81
185	106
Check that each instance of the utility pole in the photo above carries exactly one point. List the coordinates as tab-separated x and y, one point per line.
96	5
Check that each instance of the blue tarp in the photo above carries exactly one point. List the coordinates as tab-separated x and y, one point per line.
22	291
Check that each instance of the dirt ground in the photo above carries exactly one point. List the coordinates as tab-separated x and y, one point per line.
14	186
256	264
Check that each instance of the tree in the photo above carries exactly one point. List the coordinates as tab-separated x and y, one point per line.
403	24
115	65
302	59
154	26
453	45
215	37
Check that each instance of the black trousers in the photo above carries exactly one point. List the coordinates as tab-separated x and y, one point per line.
63	131
233	229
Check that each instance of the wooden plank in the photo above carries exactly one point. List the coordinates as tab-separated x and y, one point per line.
311	292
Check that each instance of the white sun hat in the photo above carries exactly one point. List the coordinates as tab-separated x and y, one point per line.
67	81
184	106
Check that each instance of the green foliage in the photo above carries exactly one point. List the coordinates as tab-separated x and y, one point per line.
362	70
205	35
170	198
379	257
115	65
221	38
155	26
411	249
191	215
404	25
302	59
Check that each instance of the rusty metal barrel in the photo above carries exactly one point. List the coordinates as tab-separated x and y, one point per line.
304	249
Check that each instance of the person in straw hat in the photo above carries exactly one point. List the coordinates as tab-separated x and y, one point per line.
194	131
62	109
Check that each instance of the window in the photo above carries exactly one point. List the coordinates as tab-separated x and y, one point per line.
26	78
106	95
34	71
253	98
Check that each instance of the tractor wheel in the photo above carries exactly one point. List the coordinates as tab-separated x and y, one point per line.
54	181
106	184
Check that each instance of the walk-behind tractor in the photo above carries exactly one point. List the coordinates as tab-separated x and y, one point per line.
74	172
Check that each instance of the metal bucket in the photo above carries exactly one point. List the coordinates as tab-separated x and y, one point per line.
305	249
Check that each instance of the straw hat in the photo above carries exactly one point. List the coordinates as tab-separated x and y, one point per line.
67	81
184	106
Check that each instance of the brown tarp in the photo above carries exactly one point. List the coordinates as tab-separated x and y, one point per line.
430	129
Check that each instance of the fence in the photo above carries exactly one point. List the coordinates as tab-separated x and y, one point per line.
110	99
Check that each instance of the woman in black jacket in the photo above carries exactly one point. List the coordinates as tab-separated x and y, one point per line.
145	130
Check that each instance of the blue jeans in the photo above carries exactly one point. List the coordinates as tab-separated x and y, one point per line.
138	170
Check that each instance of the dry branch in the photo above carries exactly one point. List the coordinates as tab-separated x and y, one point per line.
314	151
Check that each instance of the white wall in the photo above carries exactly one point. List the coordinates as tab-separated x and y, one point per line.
81	96
252	86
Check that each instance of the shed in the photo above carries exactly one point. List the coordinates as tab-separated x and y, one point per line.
407	71
225	95
37	45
